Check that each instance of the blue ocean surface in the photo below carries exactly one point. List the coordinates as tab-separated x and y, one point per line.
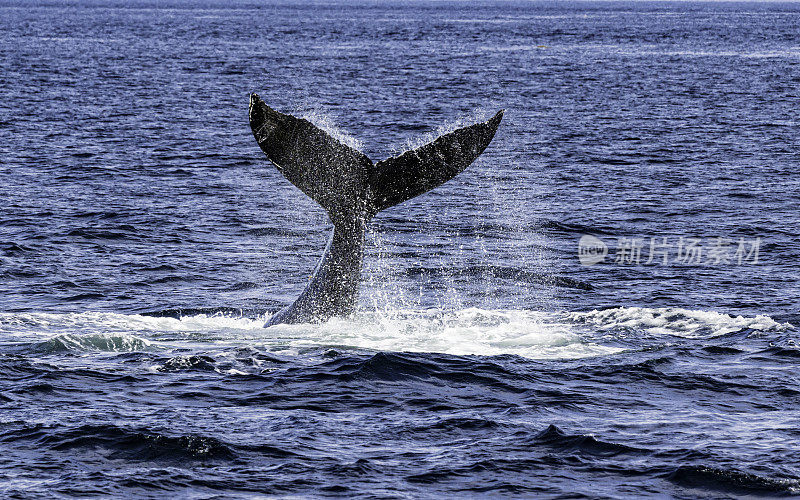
605	304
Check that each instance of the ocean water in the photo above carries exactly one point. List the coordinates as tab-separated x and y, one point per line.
145	239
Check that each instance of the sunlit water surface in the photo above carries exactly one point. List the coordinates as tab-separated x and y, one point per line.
144	242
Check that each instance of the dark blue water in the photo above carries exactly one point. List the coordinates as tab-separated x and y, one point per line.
144	240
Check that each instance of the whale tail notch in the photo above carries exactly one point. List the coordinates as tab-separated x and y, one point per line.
343	180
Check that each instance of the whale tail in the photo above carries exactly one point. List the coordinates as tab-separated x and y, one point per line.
343	180
352	190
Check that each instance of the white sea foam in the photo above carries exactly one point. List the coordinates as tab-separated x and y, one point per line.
92	321
469	331
532	334
674	321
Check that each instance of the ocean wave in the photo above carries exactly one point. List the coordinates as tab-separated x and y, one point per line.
470	331
530	334
121	442
588	444
732	481
92	342
106	321
675	321
187	363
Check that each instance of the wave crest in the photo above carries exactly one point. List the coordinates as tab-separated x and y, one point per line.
674	321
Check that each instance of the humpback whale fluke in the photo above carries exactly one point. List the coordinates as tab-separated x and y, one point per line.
352	190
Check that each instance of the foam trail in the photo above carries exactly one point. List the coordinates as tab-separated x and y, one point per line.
464	332
531	334
674	321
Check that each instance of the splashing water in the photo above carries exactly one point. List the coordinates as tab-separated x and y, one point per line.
531	334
